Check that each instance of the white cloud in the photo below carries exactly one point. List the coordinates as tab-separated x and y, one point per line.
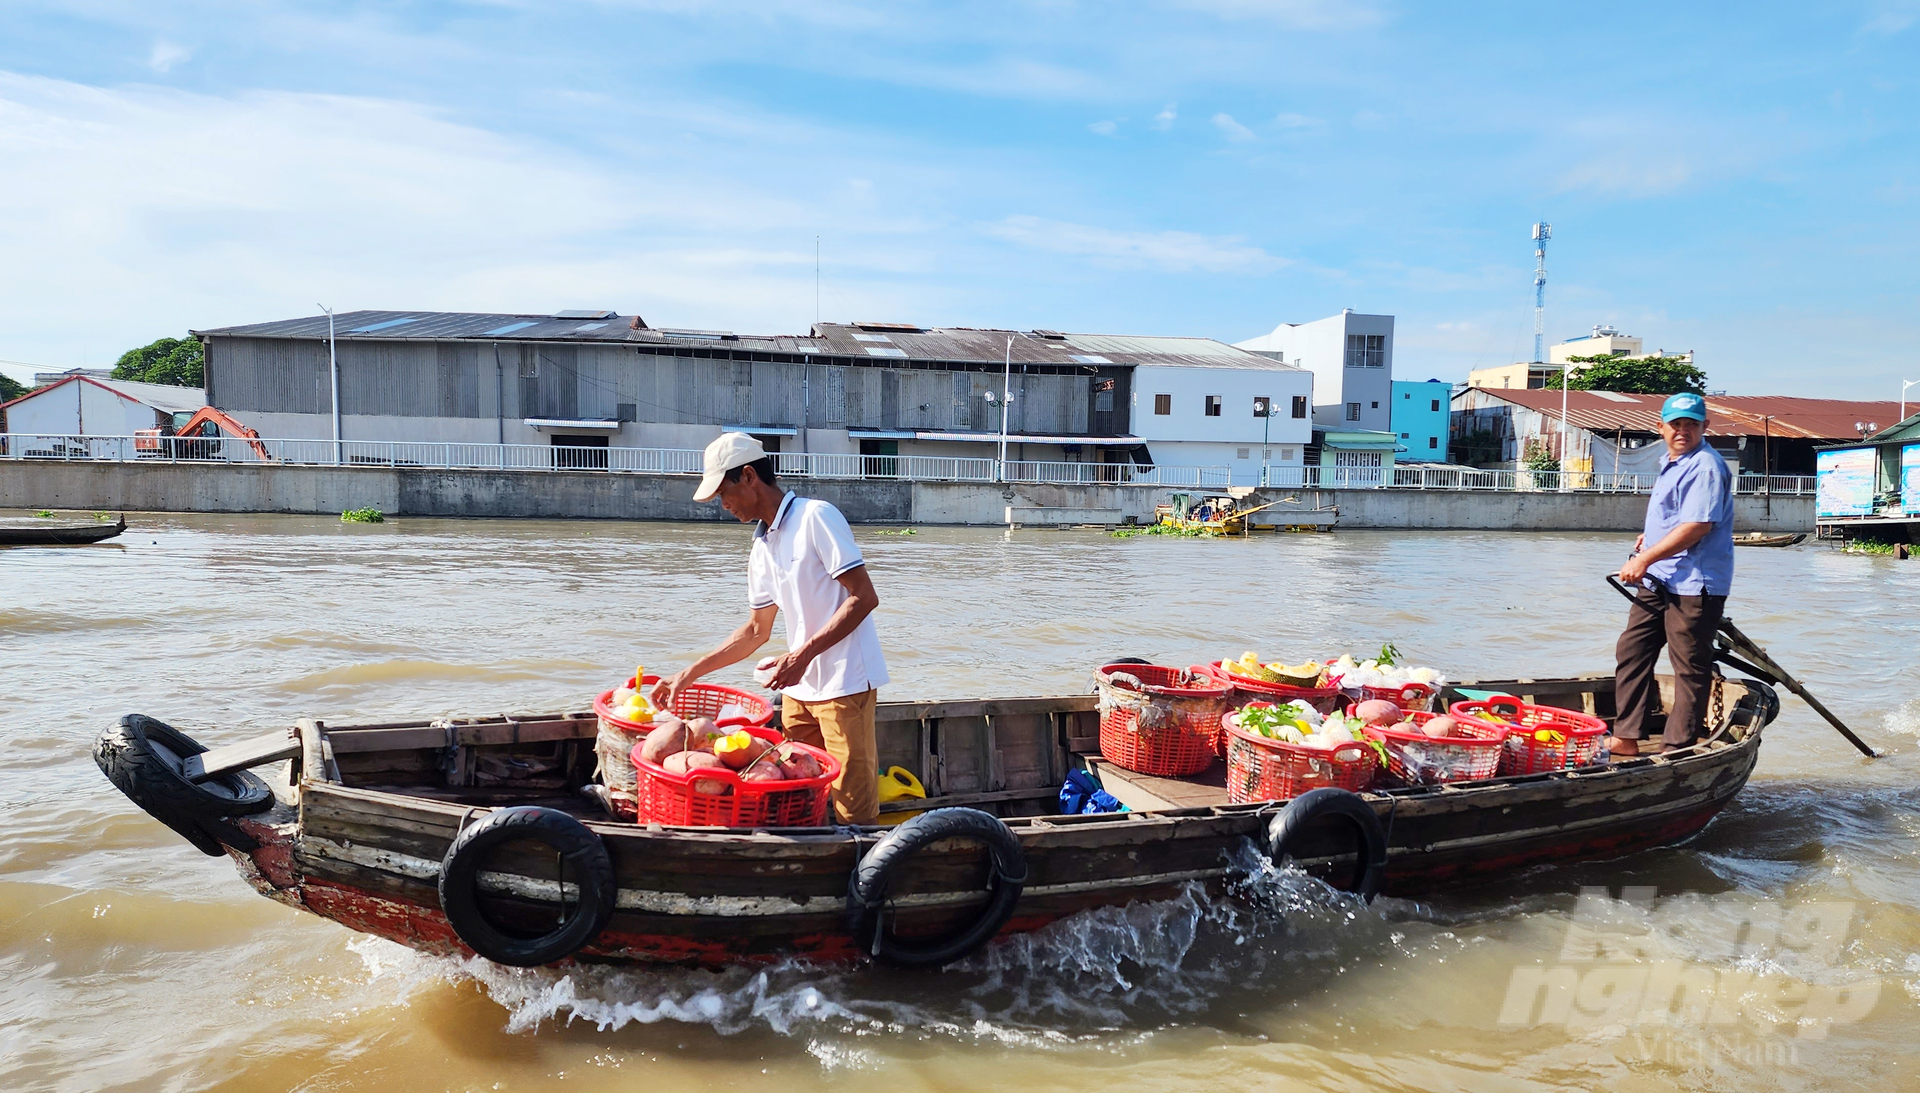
1233	129
1165	118
1105	128
1296	121
1301	14
250	207
165	55
1633	177
1175	251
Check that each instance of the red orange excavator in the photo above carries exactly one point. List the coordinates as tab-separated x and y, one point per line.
199	437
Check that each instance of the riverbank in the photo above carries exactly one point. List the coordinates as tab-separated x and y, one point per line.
598	495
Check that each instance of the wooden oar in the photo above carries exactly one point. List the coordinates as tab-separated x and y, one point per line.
1745	654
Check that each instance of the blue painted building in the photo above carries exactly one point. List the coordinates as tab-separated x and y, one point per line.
1421	411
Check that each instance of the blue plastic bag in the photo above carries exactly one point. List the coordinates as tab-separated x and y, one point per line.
1081	794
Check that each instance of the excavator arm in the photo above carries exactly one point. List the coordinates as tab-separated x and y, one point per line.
196	426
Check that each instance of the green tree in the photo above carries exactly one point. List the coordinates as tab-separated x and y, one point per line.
10	388
1637	375
173	361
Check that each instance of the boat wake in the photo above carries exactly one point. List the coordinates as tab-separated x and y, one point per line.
1111	970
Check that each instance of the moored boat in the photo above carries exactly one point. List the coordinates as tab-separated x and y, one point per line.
364	825
44	532
1761	538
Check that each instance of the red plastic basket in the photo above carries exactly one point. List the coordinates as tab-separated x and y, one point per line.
1414	697
1169	726
1324	699
1259	769
695	700
1580	739
668	798
1415	759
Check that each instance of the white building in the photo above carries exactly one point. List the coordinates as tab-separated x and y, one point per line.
1199	416
1351	358
80	406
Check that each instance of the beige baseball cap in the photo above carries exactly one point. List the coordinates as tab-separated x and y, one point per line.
730	450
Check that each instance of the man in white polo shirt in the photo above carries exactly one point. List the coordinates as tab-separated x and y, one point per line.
805	564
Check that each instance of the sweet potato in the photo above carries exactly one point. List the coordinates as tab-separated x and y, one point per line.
703	726
766	771
801	764
664	742
1377	711
700	760
739	757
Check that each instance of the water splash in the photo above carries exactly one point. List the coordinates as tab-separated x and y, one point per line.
1105	971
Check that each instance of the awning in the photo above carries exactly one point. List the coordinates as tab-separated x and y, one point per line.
761	430
591	425
1018	438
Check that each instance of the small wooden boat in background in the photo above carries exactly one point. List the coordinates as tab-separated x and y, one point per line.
1761	538
47	532
366	825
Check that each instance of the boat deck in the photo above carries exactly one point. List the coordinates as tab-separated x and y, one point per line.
1150	793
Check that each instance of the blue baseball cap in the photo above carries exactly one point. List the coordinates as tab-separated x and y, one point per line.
1684	404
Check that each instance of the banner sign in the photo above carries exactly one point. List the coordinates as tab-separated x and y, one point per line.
1844	482
1910	479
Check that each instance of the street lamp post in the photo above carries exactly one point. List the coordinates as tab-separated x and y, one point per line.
1263	409
333	369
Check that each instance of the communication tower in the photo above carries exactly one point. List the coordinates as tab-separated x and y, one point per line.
1541	233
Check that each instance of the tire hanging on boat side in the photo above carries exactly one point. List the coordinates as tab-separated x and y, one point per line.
583	864
1370	876
867	888
145	760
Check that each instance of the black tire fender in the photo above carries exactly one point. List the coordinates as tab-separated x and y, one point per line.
144	759
867	888
584	863
1371	874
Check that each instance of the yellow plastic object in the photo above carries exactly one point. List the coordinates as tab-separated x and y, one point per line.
732	742
899	784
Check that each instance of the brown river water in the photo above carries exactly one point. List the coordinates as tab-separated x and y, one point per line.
130	961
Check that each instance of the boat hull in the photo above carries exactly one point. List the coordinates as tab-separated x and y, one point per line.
370	859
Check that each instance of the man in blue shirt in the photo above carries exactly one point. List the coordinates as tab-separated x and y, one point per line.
1683	563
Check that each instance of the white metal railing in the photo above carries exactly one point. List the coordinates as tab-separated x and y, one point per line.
1028	471
918	468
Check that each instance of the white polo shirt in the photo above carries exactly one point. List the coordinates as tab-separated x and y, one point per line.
793	566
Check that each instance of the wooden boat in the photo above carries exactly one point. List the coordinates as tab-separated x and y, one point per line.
1760	538
362	818
51	533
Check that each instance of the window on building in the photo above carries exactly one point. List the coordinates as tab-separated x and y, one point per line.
1286	453
1261	405
1266	454
1241	453
1353	411
1366	351
1103	402
1213	405
1163	404
1406	436
1433	442
1376	405
1299	406
1436	405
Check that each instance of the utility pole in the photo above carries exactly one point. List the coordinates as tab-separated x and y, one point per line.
1542	232
333	367
1006	406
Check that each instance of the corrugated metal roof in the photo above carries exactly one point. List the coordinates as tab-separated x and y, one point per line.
826	339
1727	415
160	396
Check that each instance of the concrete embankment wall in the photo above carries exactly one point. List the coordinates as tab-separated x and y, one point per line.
179	487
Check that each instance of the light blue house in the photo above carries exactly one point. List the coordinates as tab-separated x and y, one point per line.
1421	410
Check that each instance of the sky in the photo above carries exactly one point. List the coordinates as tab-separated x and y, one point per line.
1742	181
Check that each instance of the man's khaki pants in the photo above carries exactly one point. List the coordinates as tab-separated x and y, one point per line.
844	727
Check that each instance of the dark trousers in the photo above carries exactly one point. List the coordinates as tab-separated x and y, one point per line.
1685	625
